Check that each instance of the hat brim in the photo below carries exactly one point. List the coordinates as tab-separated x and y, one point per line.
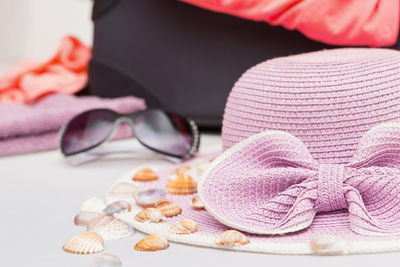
209	228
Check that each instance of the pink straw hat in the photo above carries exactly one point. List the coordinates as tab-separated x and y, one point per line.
311	161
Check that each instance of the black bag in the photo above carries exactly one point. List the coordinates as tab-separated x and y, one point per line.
179	57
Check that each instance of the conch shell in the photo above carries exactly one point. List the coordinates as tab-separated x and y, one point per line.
145	175
182	185
152	243
168	208
150	215
84	243
183	227
232	238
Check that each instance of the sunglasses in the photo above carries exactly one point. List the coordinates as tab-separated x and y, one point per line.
163	132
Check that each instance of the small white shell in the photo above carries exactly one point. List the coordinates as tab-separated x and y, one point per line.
107	260
93	204
117	207
150	215
122	191
110	228
197	203
84	217
147	198
84	243
183	227
328	245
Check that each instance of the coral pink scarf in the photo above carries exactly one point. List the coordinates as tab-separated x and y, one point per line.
337	22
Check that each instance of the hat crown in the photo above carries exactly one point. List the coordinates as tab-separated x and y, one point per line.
328	99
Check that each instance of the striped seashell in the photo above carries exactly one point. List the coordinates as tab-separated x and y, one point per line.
232	238
328	245
122	191
93	204
145	175
182	185
110	228
168	208
84	243
152	243
84	217
117	207
150	215
197	203
183	227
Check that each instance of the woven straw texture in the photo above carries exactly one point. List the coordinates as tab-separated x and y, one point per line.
209	228
328	99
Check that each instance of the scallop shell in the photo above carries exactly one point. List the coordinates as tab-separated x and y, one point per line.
122	191
84	217
84	243
93	204
152	243
328	245
117	207
197	203
183	227
110	228
145	175
147	198
150	215
168	208
182	185
107	260
232	238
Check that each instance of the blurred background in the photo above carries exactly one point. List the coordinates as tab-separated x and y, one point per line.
33	28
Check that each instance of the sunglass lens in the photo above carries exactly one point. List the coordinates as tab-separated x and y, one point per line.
87	130
165	132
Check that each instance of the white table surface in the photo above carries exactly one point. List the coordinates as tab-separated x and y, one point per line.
40	194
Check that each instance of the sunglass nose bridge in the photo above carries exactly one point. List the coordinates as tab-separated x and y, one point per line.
124	120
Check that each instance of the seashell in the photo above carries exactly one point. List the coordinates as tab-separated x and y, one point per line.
197	203
328	245
152	243
150	215
107	260
182	185
147	198
168	208
84	217
183	227
232	238
182	170
145	175
93	204
110	228
122	191
84	243
117	207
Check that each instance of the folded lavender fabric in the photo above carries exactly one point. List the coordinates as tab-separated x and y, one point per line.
32	128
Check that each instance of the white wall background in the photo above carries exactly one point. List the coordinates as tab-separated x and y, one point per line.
33	28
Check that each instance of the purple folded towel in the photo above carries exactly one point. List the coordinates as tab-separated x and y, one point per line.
25	129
